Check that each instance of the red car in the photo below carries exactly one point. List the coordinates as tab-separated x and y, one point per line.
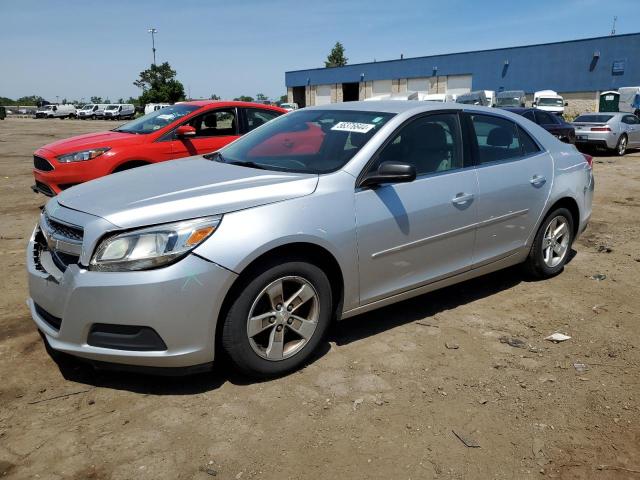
177	131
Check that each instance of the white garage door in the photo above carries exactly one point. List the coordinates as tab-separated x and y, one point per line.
458	84
381	87
323	94
418	85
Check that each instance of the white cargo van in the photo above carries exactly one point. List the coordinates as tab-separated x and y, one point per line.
629	100
119	111
56	111
549	101
152	107
511	98
92	110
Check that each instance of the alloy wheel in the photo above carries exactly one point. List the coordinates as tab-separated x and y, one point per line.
283	318
555	243
622	145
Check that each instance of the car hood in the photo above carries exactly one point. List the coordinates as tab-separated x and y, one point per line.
93	140
182	189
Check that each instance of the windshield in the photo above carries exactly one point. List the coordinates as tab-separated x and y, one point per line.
305	141
112	107
550	102
156	120
508	102
470	100
594	118
87	107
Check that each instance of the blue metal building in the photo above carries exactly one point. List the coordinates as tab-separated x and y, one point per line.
577	68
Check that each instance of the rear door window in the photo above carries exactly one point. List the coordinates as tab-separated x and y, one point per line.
497	139
544	118
255	117
529	115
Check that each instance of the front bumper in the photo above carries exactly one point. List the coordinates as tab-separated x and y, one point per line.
180	303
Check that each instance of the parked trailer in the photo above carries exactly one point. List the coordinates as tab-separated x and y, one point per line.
629	100
511	98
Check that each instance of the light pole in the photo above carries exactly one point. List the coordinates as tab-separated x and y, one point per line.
153	31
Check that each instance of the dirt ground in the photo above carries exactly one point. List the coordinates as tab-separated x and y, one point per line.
385	394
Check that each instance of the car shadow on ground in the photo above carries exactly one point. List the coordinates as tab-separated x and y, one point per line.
342	333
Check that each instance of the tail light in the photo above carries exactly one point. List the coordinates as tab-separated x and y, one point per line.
588	159
600	129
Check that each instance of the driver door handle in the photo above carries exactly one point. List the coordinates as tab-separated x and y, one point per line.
462	198
538	180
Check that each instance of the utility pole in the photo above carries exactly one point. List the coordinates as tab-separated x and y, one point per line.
613	28
153	31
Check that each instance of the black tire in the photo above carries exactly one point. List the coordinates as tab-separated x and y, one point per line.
620	148
535	264
235	340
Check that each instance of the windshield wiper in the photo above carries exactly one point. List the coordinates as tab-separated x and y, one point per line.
217	157
248	164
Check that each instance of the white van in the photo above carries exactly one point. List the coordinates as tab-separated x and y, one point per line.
152	107
629	100
549	101
119	111
56	111
92	110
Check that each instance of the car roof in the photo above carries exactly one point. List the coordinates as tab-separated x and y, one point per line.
388	106
229	103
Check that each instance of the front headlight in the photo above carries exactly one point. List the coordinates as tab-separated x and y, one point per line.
82	155
152	247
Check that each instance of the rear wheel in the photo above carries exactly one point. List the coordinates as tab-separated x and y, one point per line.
621	147
551	245
278	318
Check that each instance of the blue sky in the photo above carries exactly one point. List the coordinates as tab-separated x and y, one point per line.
77	49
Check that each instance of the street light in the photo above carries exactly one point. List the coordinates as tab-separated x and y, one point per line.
153	31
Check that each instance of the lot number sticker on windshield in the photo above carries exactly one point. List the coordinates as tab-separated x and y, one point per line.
352	127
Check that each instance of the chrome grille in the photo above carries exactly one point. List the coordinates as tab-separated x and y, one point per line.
62	230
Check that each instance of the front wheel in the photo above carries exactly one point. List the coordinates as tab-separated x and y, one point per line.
551	245
278	319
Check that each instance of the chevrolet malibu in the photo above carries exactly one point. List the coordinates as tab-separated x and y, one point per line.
321	214
176	131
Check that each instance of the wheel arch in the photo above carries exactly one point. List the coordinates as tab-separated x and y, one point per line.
129	164
299	250
570	204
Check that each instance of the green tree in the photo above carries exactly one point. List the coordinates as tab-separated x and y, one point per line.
121	100
336	58
96	100
284	98
261	97
158	84
244	98
214	97
30	100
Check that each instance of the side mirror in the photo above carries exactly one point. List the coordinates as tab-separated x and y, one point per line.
534	104
185	131
390	172
566	104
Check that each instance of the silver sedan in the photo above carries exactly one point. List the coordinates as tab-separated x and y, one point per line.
321	214
613	131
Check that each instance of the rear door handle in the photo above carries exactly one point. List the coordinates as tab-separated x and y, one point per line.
538	180
462	198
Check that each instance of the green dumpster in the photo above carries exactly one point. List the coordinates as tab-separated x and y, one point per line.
3	113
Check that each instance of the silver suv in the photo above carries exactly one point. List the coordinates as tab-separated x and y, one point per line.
323	213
